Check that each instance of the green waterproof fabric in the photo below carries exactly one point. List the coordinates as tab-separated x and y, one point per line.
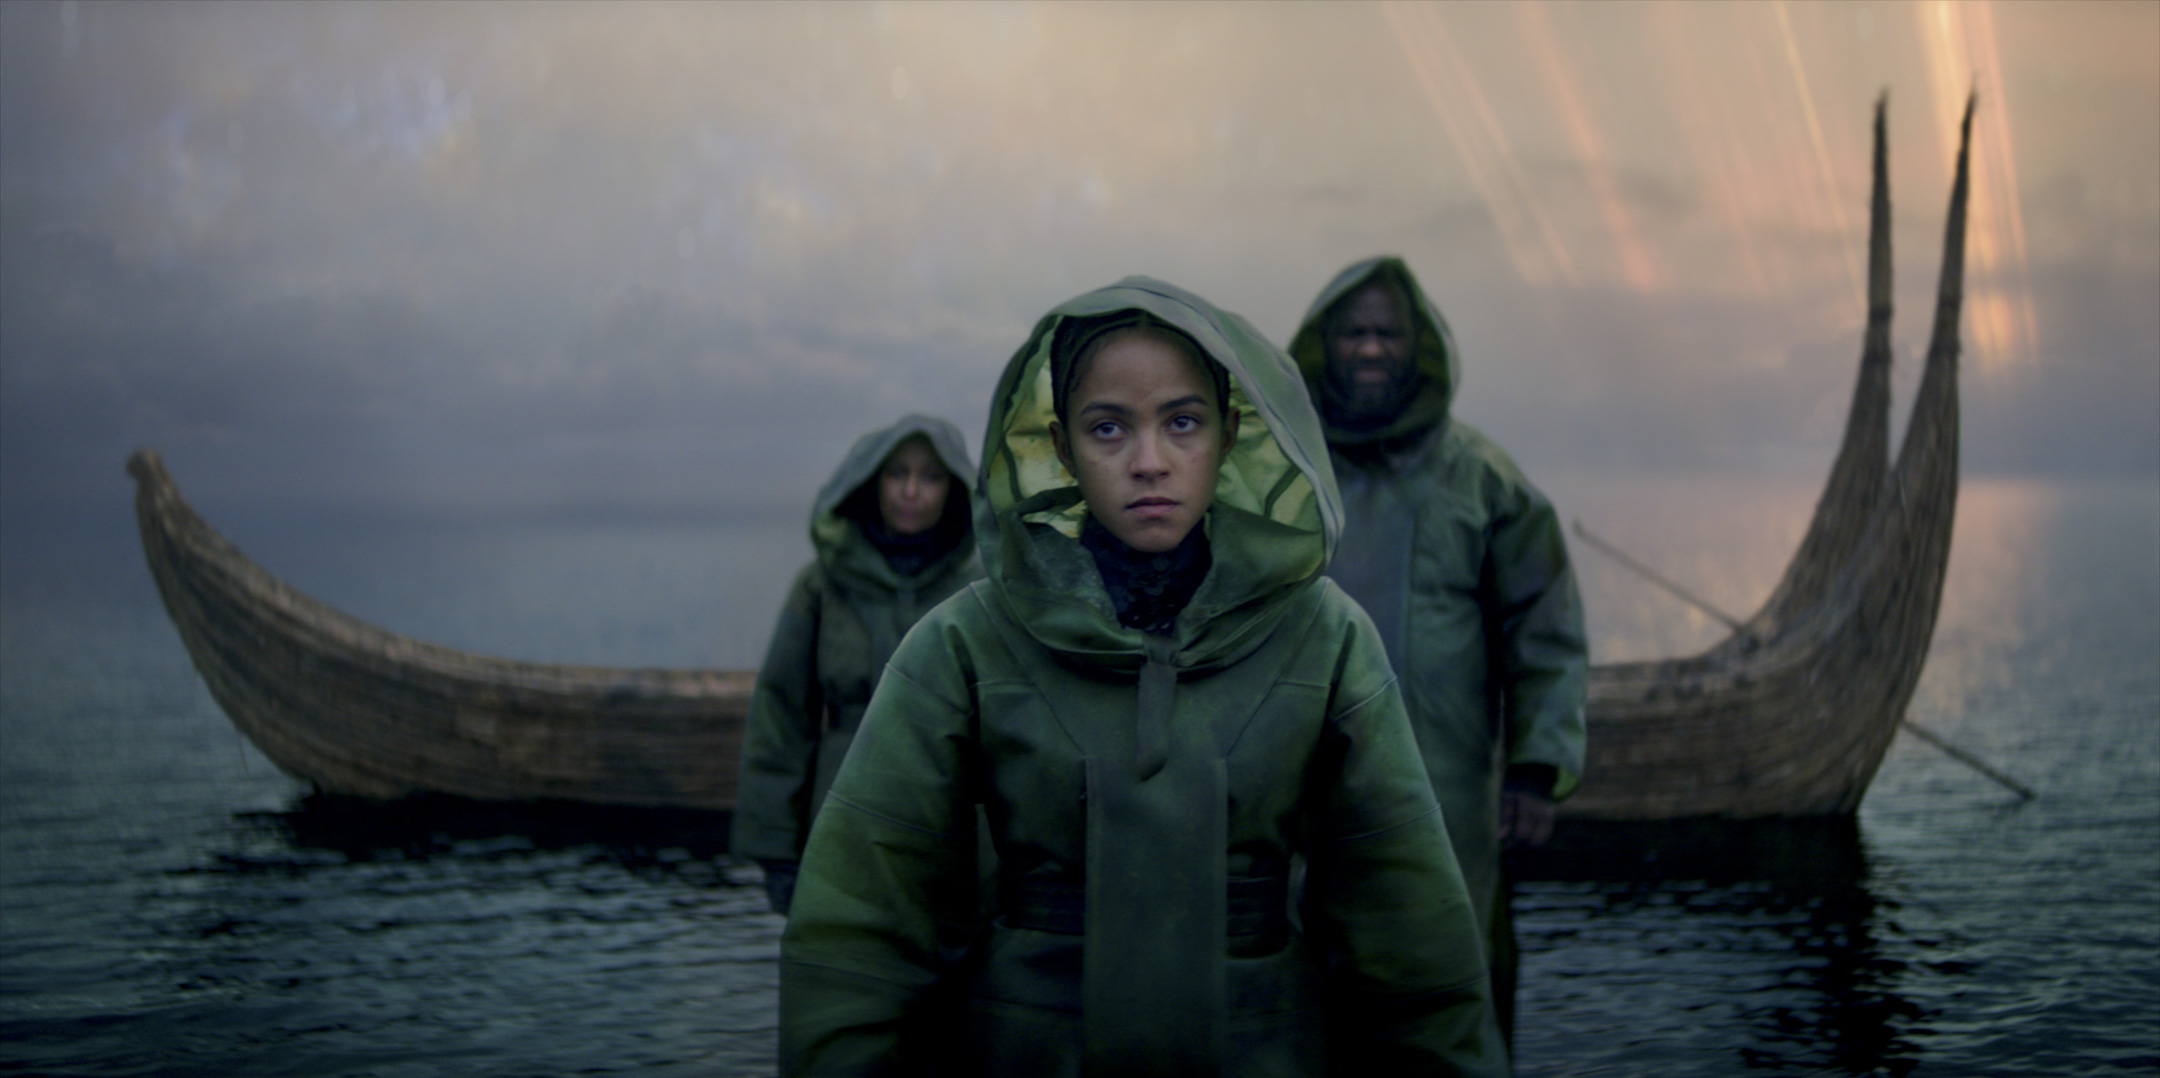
845	613
1463	566
1146	773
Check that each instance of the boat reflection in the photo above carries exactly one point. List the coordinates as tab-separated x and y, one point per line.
1773	919
323	828
1679	947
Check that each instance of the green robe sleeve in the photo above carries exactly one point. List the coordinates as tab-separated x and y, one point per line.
1385	898
1539	651
780	737
888	885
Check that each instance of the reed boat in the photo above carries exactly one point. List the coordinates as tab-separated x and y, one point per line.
357	710
1791	715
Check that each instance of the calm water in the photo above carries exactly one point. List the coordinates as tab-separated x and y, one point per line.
171	904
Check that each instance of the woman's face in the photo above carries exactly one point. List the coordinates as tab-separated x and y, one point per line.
1146	440
912	487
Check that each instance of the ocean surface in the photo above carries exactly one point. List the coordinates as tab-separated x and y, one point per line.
170	904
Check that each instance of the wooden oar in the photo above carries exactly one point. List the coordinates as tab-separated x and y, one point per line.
1696	601
1966	758
1699	603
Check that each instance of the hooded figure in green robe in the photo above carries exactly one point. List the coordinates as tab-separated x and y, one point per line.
1462	566
894	536
1165	709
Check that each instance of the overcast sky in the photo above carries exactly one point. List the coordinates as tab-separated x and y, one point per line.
621	256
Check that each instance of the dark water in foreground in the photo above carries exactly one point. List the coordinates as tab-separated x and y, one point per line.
170	904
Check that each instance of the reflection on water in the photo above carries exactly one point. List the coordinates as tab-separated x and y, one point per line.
1939	937
436	936
2048	577
1767	926
416	828
170	904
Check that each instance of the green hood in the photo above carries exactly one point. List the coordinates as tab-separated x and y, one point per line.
1273	525
843	551
1435	350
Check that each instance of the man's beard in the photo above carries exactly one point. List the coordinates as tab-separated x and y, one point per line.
1359	406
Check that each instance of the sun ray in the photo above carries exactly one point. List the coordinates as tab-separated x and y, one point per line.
1431	80
1960	54
1487	154
1822	152
2001	157
1712	156
1510	161
1636	263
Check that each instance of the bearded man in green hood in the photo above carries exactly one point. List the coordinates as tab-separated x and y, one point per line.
894	536
1162	706
1462	566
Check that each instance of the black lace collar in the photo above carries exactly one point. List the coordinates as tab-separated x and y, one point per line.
909	554
1149	590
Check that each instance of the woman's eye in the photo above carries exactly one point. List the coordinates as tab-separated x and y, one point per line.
1184	424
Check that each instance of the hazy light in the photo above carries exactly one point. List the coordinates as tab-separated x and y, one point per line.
1485	150
1962	59
1636	263
1822	152
1712	146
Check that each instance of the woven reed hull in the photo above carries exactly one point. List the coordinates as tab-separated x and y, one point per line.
354	709
1795	727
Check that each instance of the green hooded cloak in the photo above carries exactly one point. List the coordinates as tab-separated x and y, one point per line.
844	615
1147	796
1462	565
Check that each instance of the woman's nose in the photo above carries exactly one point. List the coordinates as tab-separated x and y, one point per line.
1148	455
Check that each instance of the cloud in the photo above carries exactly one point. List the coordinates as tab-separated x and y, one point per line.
653	255
386	397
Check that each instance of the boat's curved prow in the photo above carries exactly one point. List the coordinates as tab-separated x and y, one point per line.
1862	465
356	709
1793	713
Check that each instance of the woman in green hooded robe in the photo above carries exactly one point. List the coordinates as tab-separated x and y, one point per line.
1164	709
894	536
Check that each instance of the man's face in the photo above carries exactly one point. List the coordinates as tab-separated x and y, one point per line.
1371	349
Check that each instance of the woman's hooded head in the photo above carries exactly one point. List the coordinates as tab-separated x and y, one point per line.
848	528
1275	513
